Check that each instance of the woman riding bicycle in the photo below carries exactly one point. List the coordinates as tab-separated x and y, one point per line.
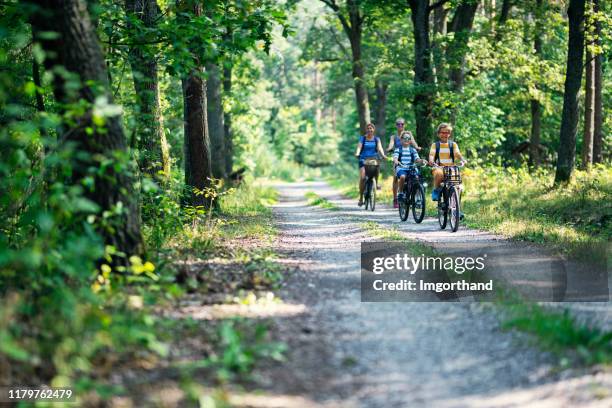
443	153
369	147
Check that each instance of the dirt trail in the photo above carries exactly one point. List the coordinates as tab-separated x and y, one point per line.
347	353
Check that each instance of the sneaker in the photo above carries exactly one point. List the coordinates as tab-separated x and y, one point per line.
435	194
395	204
360	203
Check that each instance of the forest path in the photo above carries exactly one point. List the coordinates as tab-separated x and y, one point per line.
343	352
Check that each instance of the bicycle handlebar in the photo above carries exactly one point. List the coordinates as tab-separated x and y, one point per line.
441	167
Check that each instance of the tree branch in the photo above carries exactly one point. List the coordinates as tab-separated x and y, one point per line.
334	6
438	4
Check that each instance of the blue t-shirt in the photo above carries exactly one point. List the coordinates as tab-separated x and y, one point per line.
369	148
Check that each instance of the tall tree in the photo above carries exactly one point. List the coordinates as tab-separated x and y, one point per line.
352	17
589	112
461	26
198	166
381	106
154	153
536	107
75	49
227	123
216	128
598	101
573	77
440	30
423	73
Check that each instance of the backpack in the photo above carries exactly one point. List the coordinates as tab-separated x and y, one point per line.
362	140
451	145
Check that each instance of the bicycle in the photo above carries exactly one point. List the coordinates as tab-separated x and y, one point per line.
449	202
369	193
413	197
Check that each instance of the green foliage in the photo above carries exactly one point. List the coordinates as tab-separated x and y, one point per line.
520	203
242	348
561	333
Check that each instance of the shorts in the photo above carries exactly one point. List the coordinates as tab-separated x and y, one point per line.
405	172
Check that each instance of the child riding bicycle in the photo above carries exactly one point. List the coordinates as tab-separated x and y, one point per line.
405	157
443	153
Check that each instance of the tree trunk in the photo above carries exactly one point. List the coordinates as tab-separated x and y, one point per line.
40	102
381	107
589	112
423	74
352	23
154	153
461	26
229	143
76	48
536	130
361	91
505	11
197	144
598	101
573	77
503	17
216	129
536	108
440	20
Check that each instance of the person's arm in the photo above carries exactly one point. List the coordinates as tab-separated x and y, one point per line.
432	154
414	143
391	144
380	149
396	156
457	153
417	159
358	151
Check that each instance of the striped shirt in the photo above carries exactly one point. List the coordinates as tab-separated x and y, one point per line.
444	156
409	157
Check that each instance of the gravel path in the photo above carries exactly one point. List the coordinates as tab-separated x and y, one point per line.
347	353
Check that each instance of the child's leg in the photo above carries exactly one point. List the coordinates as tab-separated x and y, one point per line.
438	176
394	184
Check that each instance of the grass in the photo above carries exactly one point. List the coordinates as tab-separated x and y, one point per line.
575	218
560	333
317	201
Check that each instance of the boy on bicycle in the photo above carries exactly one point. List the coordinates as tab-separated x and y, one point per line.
443	153
405	157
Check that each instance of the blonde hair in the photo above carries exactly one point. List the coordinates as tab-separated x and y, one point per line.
371	124
407	132
444	126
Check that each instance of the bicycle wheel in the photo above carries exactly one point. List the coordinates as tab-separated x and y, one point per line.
366	193
442	210
418	203
453	209
404	208
373	195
